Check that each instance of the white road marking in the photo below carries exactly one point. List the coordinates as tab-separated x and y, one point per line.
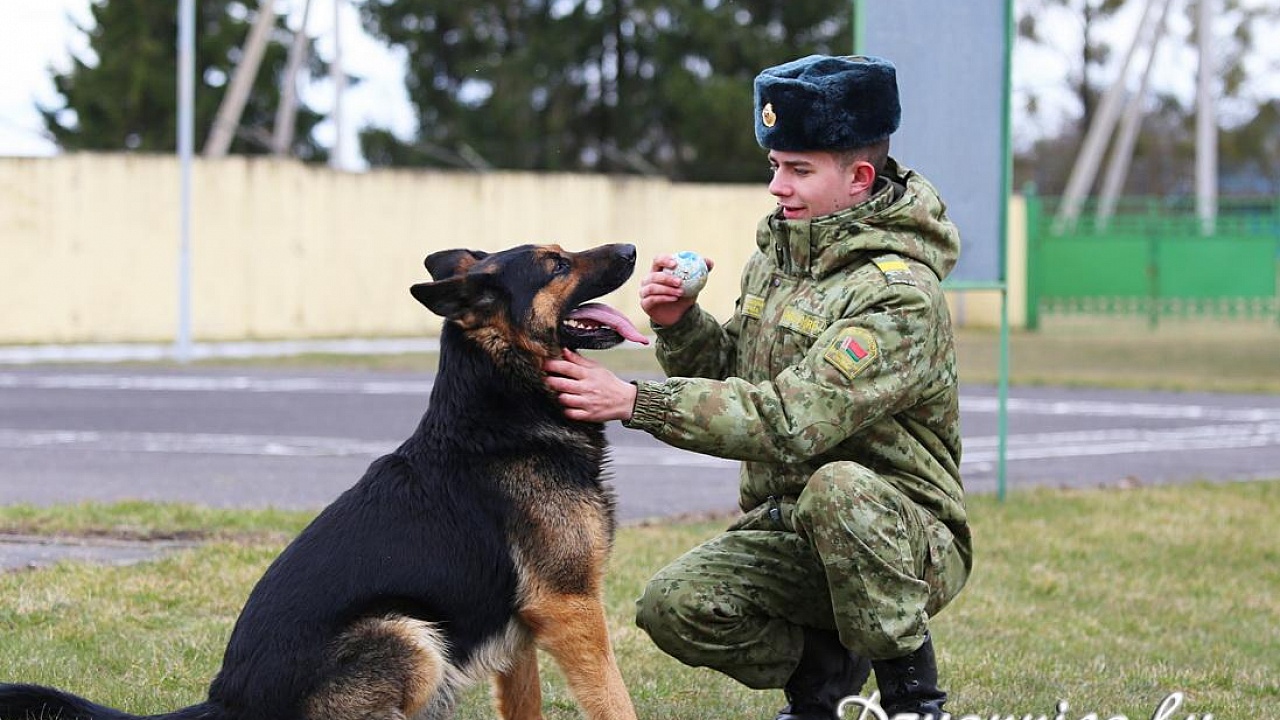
237	383
285	446
1107	408
246	383
978	451
1122	441
214	383
1217	428
192	443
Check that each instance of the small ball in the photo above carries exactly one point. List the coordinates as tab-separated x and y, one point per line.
692	270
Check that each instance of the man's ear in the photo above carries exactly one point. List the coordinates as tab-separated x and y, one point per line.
862	178
448	263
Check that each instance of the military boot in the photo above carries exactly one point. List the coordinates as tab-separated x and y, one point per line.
909	684
827	674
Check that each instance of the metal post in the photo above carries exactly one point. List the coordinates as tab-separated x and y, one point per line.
339	76
1002	399
1095	140
858	13
1122	150
286	113
1036	232
1206	125
1002	392
228	117
186	100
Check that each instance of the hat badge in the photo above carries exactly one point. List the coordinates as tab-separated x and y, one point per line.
767	115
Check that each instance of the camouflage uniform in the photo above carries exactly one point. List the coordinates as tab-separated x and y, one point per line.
835	383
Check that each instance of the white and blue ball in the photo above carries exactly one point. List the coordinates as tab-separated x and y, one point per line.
692	271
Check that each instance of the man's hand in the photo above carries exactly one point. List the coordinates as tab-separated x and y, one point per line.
660	296
589	391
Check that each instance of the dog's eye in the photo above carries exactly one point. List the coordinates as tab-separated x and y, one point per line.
562	266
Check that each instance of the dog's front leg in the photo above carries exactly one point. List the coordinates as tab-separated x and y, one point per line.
517	691
572	628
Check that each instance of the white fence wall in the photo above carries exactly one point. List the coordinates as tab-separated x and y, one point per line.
281	250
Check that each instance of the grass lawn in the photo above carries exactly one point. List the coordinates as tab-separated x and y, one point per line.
1108	599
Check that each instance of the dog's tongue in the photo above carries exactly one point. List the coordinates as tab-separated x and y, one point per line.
605	315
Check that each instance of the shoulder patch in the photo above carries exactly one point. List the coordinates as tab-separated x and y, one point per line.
895	269
852	351
753	306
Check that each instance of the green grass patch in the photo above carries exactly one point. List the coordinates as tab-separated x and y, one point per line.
1108	599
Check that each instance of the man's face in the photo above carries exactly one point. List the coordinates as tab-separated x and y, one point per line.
812	184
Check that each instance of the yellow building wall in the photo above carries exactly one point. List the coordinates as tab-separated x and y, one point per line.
281	250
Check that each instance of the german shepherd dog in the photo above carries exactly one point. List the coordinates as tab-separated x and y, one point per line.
482	537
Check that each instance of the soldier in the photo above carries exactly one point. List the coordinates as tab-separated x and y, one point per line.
835	383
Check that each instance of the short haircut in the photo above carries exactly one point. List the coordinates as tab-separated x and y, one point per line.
876	153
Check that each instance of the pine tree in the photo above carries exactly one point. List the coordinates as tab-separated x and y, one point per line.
125	96
619	86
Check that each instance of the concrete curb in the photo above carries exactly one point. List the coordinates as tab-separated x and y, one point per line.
153	352
19	552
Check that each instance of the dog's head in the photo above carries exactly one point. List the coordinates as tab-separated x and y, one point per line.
536	297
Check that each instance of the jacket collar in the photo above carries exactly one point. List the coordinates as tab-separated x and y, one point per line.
796	245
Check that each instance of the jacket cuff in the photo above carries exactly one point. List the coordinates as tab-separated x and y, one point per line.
650	411
686	330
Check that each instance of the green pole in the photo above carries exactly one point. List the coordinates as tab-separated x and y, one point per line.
1002	391
1035	245
859	27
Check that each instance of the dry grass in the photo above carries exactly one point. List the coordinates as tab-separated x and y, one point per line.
1227	357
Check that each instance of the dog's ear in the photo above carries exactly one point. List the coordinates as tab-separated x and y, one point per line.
451	297
448	263
445	298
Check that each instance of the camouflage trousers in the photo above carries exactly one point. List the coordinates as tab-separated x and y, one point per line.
850	553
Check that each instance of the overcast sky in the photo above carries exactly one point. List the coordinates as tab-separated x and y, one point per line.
38	34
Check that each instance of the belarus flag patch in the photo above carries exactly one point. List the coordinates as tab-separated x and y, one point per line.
853	351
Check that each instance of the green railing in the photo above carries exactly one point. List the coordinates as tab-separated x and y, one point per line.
1153	259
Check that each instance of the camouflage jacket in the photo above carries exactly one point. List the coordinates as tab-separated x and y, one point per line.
840	348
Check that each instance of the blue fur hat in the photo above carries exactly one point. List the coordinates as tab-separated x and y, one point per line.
823	102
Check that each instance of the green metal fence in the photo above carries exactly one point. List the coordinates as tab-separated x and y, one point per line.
1153	259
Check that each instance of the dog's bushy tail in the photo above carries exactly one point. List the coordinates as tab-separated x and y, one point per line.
36	702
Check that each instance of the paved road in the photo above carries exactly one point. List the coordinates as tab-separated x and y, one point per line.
232	437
